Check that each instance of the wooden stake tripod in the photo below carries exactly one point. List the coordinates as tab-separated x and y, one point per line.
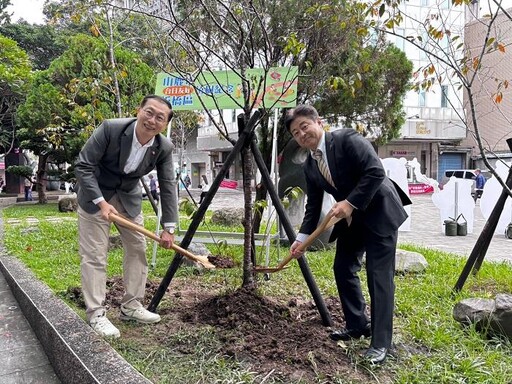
246	138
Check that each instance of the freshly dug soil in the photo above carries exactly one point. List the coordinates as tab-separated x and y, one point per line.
283	340
221	261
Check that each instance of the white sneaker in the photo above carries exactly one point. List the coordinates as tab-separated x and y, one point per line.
103	327
139	314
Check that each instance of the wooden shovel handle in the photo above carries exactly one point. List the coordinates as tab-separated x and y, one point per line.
139	228
326	223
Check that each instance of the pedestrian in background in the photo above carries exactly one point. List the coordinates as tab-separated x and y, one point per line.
187	181
479	184
345	165
205	187
153	187
28	189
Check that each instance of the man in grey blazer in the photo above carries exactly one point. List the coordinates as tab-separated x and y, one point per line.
344	164
108	170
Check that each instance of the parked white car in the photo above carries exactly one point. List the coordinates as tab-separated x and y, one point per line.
463	174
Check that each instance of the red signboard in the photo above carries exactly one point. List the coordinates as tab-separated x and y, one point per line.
419	188
232	184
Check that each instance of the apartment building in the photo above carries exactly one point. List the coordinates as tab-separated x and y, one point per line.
433	130
218	149
494	119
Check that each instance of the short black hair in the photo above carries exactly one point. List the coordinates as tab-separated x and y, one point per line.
162	100
300	110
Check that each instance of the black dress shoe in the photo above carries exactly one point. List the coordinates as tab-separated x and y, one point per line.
347	334
376	355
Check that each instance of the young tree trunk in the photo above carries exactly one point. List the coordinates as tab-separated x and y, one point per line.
247	175
248	276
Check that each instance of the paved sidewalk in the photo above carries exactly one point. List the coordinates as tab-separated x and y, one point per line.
43	341
426	230
22	358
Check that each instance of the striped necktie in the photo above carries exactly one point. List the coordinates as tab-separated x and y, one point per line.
322	166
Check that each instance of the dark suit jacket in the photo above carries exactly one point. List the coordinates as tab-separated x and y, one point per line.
99	169
360	178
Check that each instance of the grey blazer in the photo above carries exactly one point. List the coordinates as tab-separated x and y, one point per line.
99	170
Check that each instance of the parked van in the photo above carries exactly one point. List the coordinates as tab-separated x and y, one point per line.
463	174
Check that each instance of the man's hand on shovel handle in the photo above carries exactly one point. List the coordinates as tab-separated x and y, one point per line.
296	253
343	210
166	240
106	209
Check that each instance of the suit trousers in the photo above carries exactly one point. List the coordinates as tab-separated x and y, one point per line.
93	236
380	270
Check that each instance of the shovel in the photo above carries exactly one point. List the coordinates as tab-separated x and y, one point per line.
326	223
128	224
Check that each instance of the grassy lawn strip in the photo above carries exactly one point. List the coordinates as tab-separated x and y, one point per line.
437	349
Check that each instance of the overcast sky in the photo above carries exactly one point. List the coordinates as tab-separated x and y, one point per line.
29	10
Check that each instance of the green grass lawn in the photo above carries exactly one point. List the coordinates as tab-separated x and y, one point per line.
445	352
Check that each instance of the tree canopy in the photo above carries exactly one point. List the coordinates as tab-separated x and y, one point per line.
42	42
375	106
346	69
15	75
75	94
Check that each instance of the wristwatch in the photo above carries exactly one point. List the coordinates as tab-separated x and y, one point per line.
170	229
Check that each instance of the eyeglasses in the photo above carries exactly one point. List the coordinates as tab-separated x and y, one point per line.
159	118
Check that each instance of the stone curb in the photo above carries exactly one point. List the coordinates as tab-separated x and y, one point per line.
76	352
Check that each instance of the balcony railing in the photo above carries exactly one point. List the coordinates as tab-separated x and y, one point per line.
211	130
433	123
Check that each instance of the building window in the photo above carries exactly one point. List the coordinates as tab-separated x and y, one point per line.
424	44
399	40
422	98
444	96
424	3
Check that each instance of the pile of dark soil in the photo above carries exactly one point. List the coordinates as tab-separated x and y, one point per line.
285	338
221	261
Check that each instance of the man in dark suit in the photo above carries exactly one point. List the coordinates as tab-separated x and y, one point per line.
108	170
345	165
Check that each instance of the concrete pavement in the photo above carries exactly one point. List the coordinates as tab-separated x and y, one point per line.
426	230
43	341
22	358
